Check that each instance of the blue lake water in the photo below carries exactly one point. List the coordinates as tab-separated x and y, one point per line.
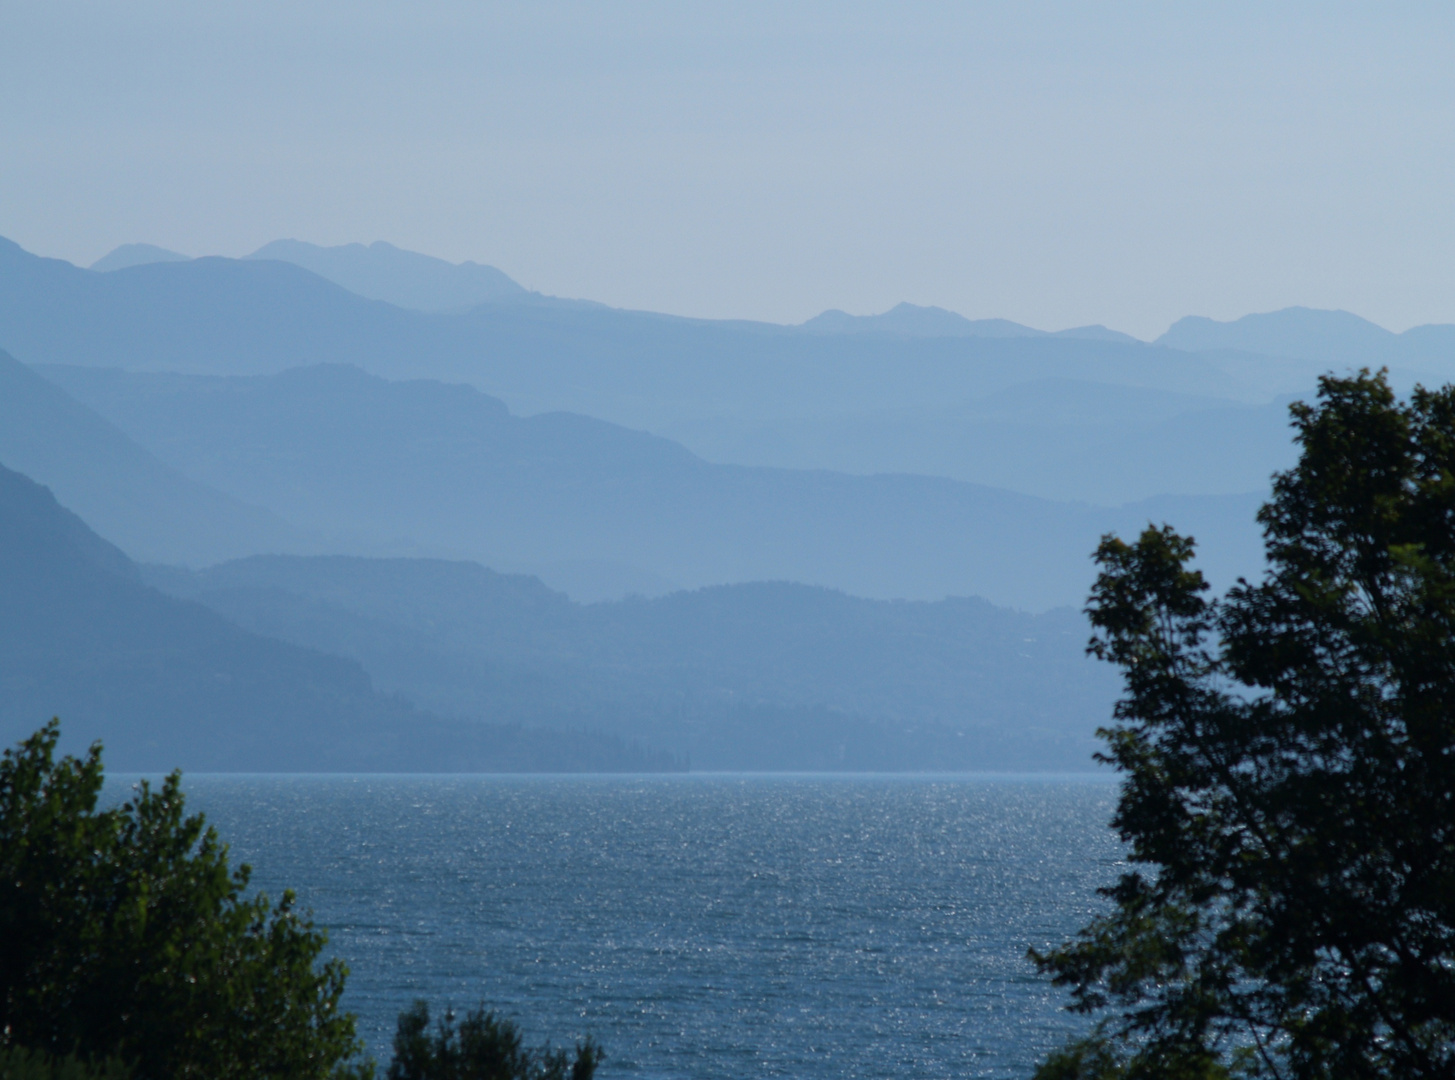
698	926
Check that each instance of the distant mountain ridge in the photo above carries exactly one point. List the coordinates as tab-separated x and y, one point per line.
910	320
166	683
151	510
428	468
420	282
377	271
1055	438
136	255
968	408
407	279
767	675
1329	337
239	317
271	671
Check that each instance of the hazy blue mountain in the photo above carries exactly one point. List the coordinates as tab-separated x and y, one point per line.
136	255
151	510
221	316
910	320
166	683
1325	337
408	279
433	468
741	393
1097	332
207	314
593	580
1054	438
764	675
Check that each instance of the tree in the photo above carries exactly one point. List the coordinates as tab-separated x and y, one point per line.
1288	754
125	936
18	1063
483	1047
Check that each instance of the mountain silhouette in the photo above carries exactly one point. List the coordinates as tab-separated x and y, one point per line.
429	468
1324	337
136	255
767	675
1065	439
241	317
151	510
166	683
913	321
909	320
407	279
740	393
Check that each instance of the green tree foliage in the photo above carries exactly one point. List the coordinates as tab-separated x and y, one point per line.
124	935
1289	788
18	1063
482	1047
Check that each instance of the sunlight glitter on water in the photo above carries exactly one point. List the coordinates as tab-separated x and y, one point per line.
699	926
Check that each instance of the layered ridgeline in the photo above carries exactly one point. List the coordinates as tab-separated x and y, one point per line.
759	676
278	663
249	446
167	683
151	510
1092	415
427	468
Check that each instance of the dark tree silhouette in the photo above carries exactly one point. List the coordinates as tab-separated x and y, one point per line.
1289	788
482	1047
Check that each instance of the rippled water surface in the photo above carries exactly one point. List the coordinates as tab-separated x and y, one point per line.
698	926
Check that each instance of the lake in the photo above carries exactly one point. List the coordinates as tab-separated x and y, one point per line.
698	926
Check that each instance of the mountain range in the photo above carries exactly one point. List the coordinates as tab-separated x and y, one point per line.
763	675
408	279
428	468
839	531
166	683
153	511
277	664
972	408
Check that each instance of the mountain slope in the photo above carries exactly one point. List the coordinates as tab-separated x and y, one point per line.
166	683
222	316
841	680
911	320
1334	338
740	393
135	255
439	469
152	511
202	315
406	279
1053	438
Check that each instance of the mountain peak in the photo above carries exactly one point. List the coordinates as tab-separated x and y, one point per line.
381	271
912	320
1299	332
136	255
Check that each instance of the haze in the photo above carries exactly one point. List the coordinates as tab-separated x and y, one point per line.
1055	164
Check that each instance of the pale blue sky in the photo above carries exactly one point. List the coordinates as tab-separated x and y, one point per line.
1053	163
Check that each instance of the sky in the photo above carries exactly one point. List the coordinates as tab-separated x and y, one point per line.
1057	164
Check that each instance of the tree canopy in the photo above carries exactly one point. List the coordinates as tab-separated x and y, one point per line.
1288	753
126	937
482	1046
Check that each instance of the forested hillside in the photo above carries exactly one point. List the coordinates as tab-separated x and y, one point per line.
763	676
167	683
